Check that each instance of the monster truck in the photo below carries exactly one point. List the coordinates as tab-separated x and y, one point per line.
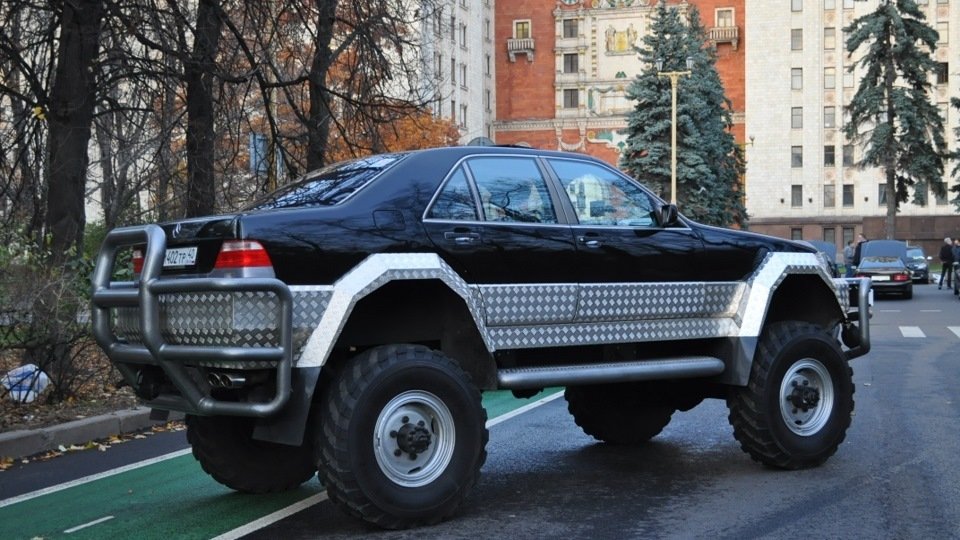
346	324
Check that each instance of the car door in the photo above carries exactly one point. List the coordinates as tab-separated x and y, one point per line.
495	221
619	237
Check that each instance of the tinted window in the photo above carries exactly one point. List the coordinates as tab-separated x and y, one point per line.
602	197
512	189
455	200
329	185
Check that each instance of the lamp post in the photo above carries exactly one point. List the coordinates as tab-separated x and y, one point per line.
674	76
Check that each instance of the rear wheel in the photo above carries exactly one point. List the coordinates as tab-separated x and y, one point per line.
226	450
617	413
797	406
401	436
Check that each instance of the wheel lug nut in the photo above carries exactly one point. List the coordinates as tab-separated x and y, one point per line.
413	456
405	419
793	384
420	423
397	452
393	434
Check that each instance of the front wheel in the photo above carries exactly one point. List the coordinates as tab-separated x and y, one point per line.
796	408
401	436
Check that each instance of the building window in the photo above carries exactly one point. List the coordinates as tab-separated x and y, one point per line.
796	5
724	17
848	4
796	195
830	235
463	35
463	116
453	28
571	98
487	100
796	156
521	29
848	195
571	28
453	110
847	79
571	63
943	28
829	4
796	39
829	117
463	75
829	38
848	155
829	77
796	233
847	235
829	155
486	66
829	195
796	78
923	2
882	194
486	29
941	199
921	198
943	69
943	1
453	71
796	117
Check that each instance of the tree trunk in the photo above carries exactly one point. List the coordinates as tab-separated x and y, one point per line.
72	100
201	192
107	186
318	127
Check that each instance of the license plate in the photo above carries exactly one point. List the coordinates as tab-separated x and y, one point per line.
180	257
880	278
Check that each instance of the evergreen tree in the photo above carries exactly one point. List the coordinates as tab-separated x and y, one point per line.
709	162
892	113
955	155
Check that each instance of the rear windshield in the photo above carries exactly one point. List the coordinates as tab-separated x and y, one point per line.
329	185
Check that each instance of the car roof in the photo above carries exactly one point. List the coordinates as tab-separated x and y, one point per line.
889	248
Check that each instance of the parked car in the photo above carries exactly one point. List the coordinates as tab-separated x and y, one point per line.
829	251
346	324
917	263
888	273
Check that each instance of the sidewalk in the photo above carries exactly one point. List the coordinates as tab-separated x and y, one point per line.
27	442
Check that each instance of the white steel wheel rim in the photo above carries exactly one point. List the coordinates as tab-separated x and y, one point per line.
800	415
423	418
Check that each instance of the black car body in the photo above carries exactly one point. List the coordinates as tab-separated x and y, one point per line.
888	275
917	262
347	323
829	251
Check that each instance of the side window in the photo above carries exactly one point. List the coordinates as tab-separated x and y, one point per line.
455	200
512	189
601	197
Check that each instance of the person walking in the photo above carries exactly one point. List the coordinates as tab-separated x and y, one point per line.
956	261
848	258
946	260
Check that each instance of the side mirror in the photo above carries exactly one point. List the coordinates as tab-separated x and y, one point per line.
668	215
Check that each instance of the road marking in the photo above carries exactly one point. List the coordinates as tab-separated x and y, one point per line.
955	330
912	332
516	412
931	310
91	478
270	519
889	311
85	525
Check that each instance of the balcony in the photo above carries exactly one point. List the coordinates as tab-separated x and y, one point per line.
725	34
517	46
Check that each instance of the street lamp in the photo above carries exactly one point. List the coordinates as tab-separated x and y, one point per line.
674	76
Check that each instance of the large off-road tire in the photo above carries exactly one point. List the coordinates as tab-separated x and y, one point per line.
797	406
617	413
402	436
226	450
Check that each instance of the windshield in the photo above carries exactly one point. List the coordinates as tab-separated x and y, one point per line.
915	255
329	185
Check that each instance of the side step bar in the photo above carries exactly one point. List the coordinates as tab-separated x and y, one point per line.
640	370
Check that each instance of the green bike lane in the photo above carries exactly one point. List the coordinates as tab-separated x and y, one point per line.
193	505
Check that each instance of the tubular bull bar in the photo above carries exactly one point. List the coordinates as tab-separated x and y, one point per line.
155	351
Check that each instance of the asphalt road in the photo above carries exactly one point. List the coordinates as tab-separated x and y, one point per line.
897	475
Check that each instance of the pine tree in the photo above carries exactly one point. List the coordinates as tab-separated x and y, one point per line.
892	113
709	163
955	155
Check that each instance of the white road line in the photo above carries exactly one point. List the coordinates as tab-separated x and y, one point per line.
955	330
931	311
912	332
91	478
314	500
270	519
85	525
889	310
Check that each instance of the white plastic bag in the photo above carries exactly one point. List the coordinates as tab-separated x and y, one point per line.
25	383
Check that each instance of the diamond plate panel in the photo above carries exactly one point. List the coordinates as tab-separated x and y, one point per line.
510	305
526	337
639	301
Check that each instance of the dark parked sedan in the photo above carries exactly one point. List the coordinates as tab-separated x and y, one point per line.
917	263
889	275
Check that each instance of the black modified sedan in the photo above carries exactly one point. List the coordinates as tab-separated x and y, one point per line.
889	275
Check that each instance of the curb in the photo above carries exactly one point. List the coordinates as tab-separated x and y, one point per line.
27	442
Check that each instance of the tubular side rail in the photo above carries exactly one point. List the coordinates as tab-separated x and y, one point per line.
863	317
108	294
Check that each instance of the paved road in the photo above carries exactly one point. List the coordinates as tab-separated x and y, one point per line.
896	476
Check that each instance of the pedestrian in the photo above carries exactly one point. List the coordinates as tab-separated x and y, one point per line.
946	261
848	253
956	262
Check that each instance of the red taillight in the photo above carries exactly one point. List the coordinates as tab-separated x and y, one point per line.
242	254
137	260
901	277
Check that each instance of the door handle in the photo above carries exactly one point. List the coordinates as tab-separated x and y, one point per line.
589	242
462	238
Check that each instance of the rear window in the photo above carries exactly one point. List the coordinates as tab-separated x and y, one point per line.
328	186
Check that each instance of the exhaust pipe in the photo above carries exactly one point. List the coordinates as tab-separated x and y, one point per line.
225	380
